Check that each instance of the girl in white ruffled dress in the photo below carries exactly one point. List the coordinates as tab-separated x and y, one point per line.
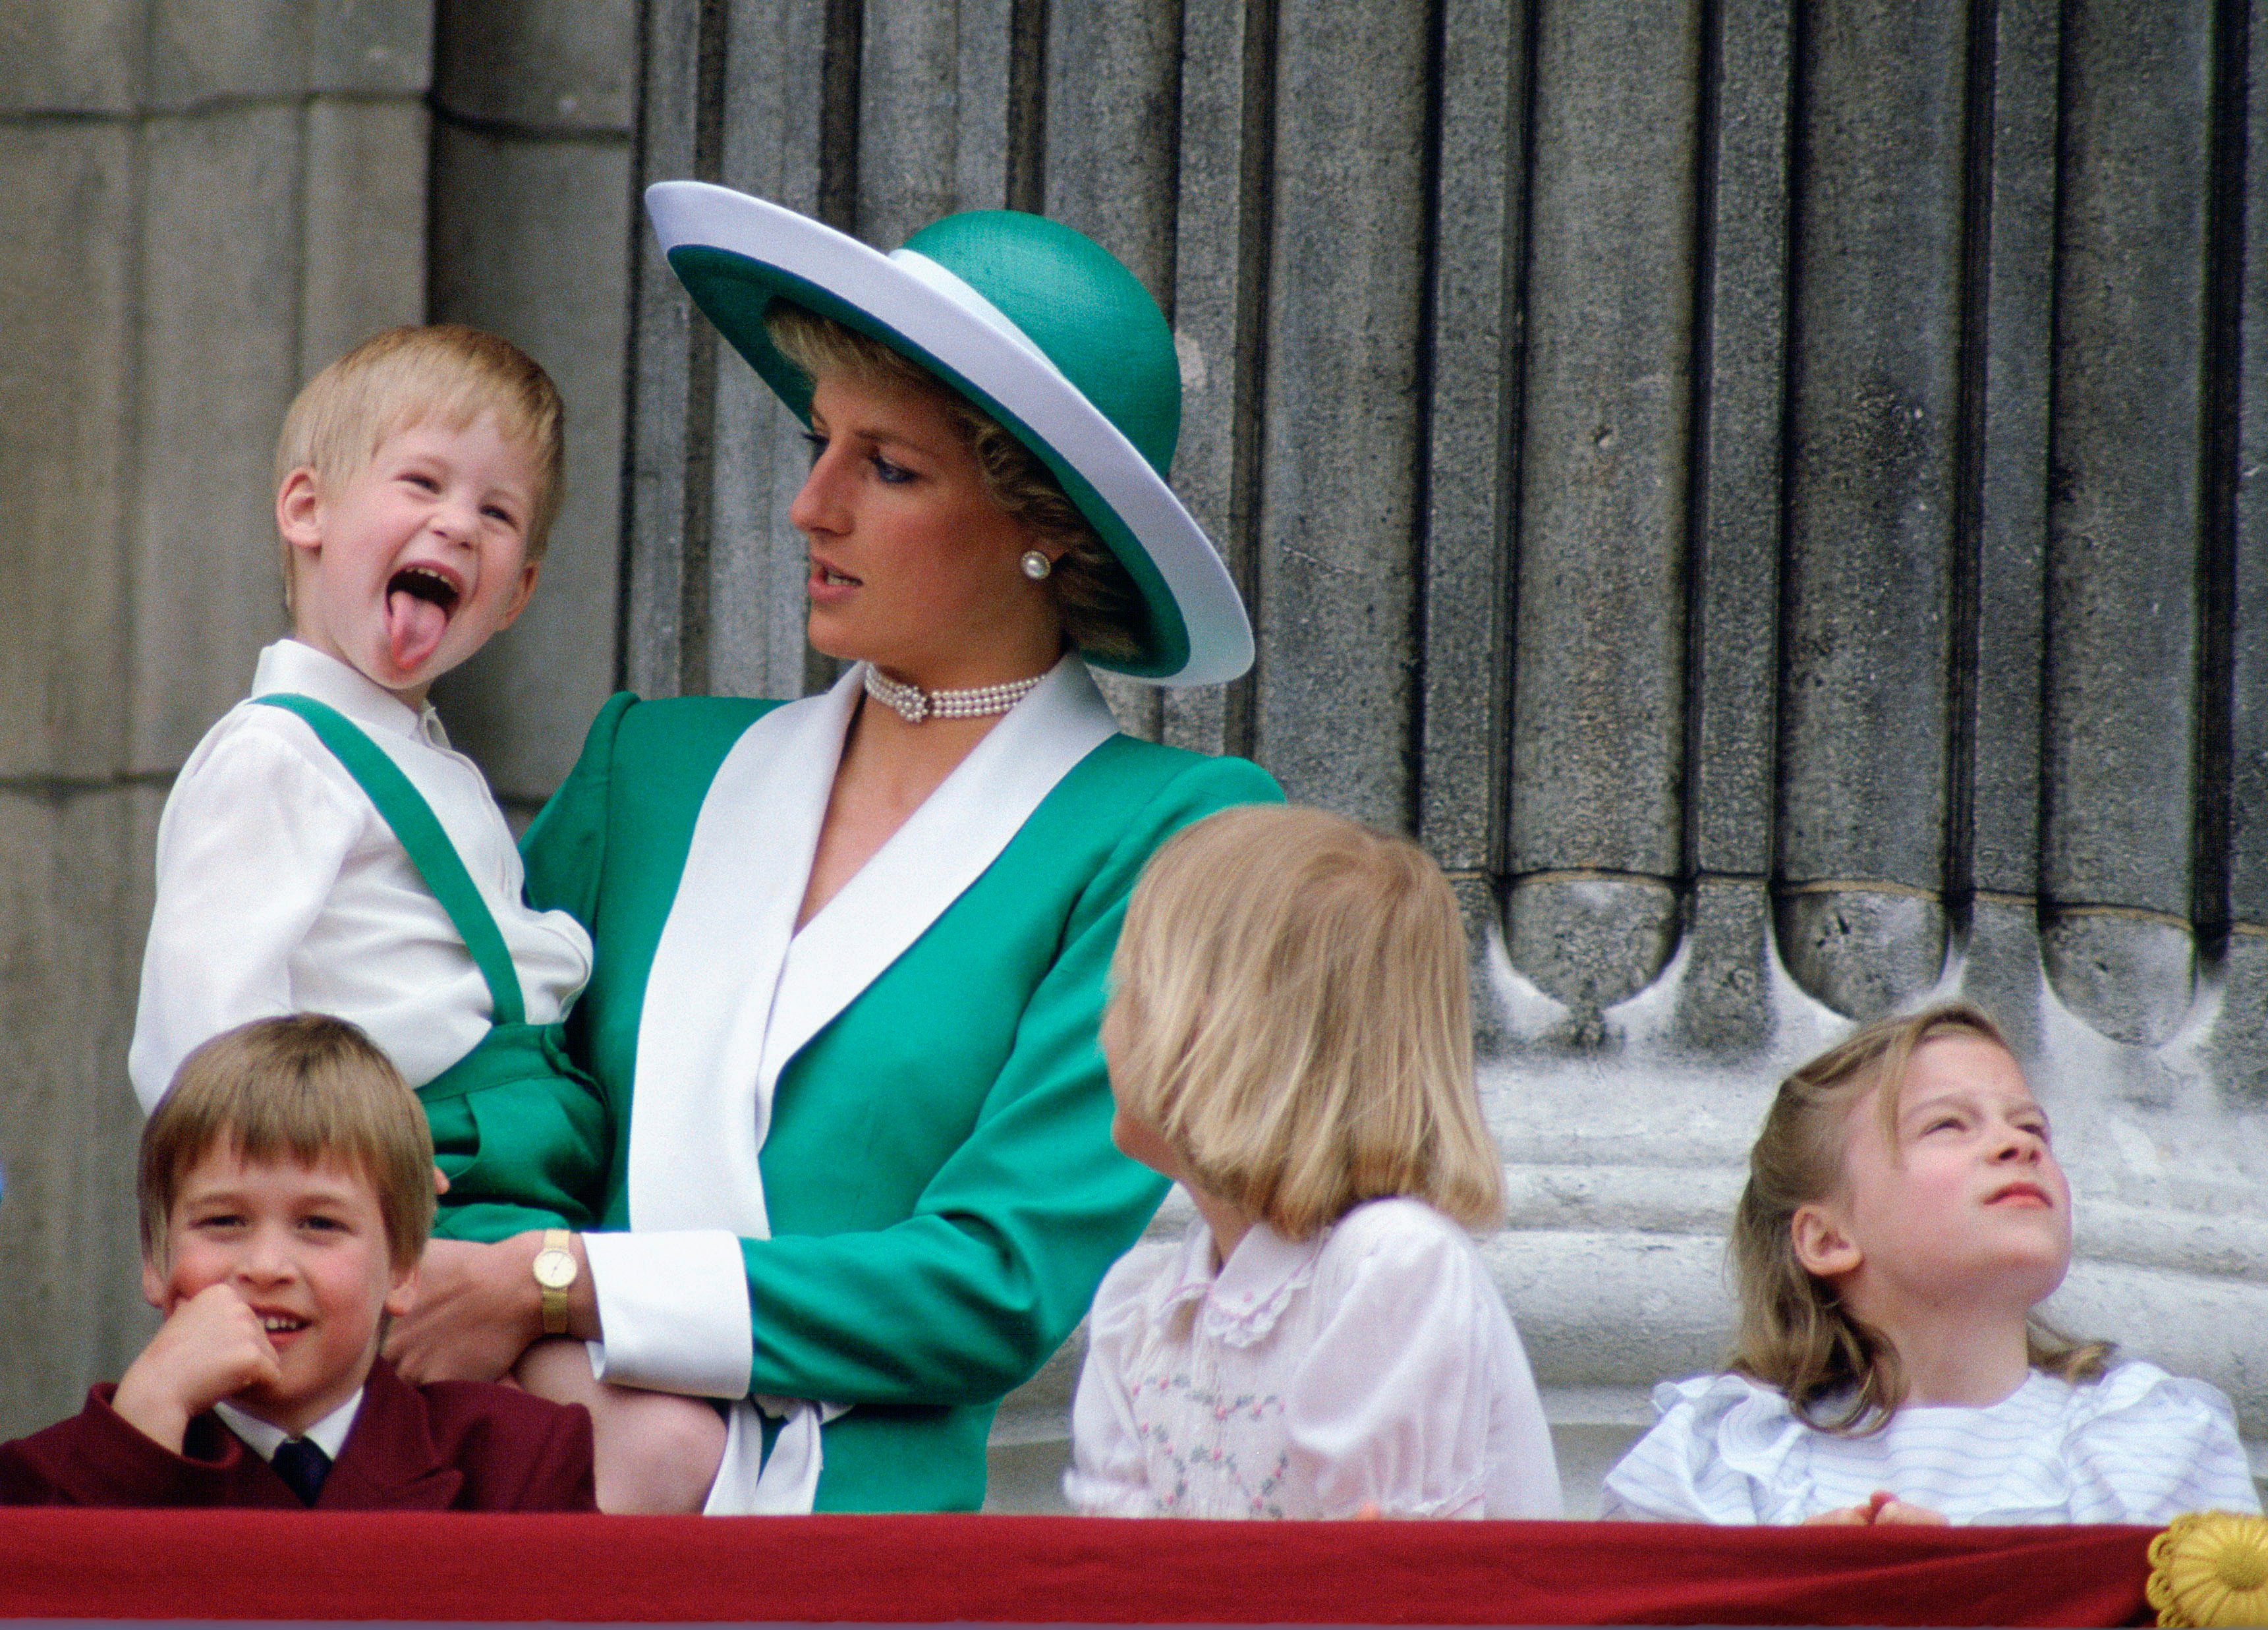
1903	1216
1288	1038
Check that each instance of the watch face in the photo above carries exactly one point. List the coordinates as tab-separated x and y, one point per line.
555	1270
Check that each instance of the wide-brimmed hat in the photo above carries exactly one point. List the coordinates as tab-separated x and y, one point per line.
1035	323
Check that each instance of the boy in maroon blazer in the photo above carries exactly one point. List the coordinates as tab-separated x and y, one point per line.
286	1186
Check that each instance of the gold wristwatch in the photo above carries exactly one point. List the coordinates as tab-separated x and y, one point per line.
555	1274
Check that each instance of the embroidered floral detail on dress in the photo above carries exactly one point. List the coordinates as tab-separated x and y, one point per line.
1207	1475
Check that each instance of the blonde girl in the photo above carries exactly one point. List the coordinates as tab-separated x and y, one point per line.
1904	1218
1288	1038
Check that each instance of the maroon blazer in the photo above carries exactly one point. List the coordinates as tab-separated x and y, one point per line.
449	1446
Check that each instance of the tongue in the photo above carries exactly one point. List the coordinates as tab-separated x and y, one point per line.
414	629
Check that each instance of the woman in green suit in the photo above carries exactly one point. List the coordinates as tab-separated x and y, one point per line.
850	950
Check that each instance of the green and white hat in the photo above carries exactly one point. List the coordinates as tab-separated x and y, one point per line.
1035	323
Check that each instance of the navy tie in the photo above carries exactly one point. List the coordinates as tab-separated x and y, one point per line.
302	1464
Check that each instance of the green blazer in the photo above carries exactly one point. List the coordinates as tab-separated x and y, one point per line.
902	1113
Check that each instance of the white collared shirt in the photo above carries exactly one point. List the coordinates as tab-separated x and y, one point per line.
1375	1365
282	890
2135	1445
329	1434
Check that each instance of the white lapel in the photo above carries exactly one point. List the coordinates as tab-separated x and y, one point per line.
942	848
735	993
694	1137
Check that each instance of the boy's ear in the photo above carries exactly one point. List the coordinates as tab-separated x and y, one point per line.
153	1285
299	509
529	571
403	1295
1821	1247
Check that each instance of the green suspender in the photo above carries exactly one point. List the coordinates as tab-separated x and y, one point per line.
429	847
521	1133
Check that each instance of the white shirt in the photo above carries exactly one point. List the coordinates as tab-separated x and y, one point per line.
1373	1364
282	890
263	1438
2137	1445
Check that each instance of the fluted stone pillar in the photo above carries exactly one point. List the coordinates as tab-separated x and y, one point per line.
1873	420
1598	739
2126	524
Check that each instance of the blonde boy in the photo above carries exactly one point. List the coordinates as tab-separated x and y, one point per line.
286	1192
324	848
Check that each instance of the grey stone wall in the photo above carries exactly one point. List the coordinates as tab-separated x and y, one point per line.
535	105
210	200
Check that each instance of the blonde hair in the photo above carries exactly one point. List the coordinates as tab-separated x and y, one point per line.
400	378
1101	609
1796	1333
1291	1013
309	1088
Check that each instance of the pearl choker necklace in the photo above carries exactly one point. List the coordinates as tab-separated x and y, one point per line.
913	704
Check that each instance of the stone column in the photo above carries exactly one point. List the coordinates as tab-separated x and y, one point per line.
2125	523
1598	745
535	103
1874	415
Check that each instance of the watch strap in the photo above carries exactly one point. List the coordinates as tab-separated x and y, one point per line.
555	1296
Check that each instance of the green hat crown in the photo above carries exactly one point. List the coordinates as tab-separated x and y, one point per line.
1075	301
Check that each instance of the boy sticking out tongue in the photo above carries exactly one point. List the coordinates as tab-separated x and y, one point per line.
408	567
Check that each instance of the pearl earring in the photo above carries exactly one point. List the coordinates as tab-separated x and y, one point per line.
1036	566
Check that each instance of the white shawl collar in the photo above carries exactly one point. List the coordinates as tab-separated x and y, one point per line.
735	993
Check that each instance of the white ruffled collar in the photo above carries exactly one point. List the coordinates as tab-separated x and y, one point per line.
1241	1299
1759	1435
1733	1452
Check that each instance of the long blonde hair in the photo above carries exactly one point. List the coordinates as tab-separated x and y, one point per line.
1839	1373
1289	1010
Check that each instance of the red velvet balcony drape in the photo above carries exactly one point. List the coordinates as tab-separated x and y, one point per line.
269	1565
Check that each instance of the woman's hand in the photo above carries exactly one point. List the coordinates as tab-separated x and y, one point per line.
477	1309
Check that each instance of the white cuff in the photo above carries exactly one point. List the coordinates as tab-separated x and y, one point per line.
674	1308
